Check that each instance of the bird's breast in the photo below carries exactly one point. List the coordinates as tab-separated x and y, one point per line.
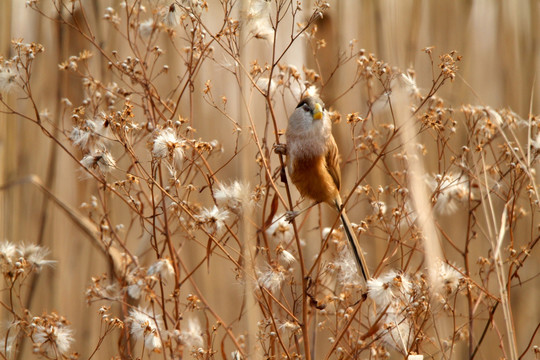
311	177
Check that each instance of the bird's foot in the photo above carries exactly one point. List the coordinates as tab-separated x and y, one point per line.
290	215
280	149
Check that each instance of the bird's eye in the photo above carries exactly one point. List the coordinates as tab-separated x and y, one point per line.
305	107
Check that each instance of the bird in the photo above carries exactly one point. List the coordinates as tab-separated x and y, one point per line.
312	160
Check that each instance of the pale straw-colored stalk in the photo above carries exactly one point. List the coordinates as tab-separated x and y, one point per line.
496	241
419	196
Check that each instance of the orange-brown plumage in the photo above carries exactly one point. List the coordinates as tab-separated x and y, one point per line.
325	169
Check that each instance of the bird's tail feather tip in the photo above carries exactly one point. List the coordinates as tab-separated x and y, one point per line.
355	245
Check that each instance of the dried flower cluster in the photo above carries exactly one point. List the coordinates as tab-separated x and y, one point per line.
50	334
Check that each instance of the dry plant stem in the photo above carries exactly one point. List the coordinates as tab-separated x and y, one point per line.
436	84
50	176
257	141
187	211
282	306
100	180
499	267
174	259
248	246
100	341
264	160
489	323
92	39
207	305
269	306
439	337
519	157
304	323
345	329
70	154
84	225
466	262
530	342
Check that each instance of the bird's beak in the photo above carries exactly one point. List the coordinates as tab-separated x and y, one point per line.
317	112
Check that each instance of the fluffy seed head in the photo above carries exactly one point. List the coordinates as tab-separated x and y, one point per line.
135	290
172	19
236	196
271	279
286	257
8	78
168	145
280	230
8	251
162	267
389	287
347	268
35	255
397	331
51	335
258	20
213	219
145	327
192	335
535	143
101	160
448	193
146	27
90	135
448	276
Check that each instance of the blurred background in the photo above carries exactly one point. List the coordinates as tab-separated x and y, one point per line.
499	41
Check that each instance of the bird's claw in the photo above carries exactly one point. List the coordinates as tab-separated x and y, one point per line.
280	149
290	215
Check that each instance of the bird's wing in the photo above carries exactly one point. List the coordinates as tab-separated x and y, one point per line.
332	161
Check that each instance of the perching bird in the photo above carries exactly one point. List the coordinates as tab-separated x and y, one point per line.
313	163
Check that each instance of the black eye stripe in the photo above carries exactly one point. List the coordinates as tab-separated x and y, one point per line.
302	103
306	102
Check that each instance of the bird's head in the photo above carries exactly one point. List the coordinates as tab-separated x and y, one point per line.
311	107
309	118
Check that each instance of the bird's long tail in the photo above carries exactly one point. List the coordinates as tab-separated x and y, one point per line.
353	241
